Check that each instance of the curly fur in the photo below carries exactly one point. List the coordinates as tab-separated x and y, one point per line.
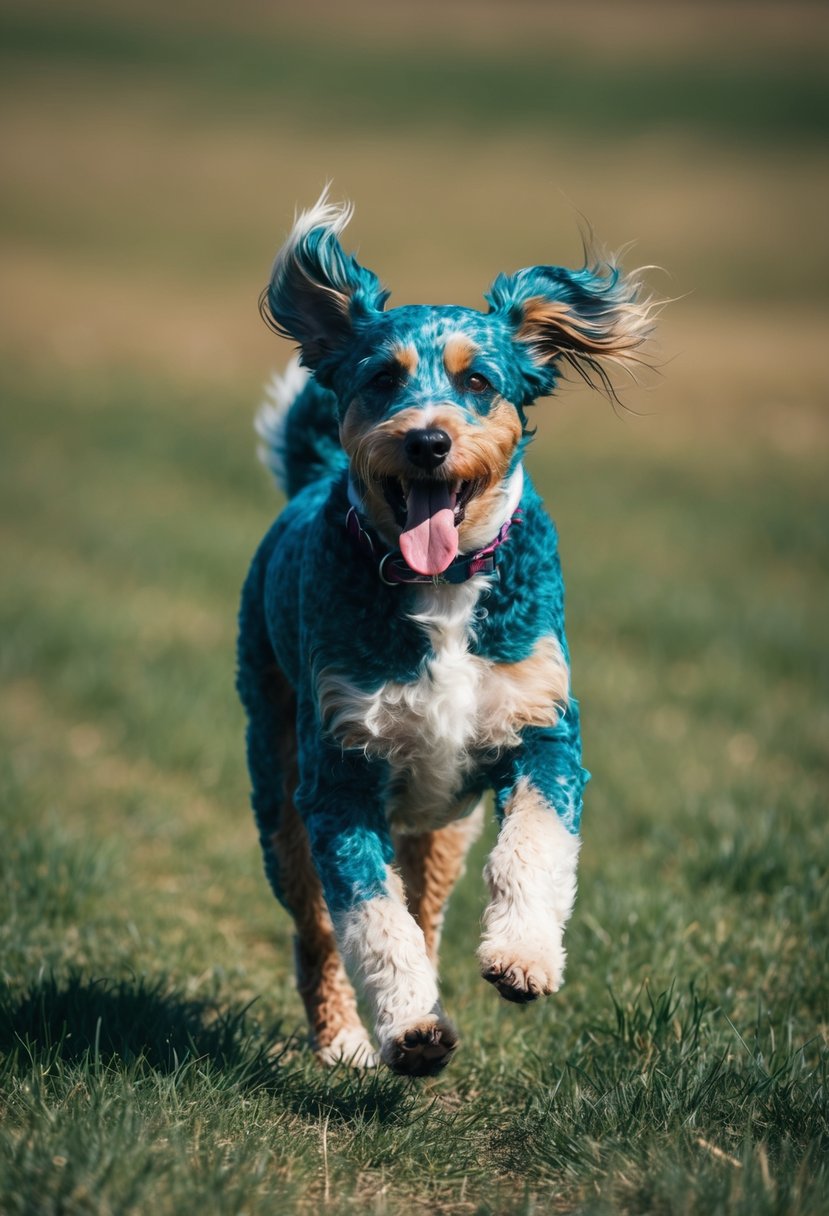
379	714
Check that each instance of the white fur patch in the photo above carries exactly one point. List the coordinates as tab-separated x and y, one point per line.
385	951
280	394
350	1046
531	873
424	728
432	729
323	214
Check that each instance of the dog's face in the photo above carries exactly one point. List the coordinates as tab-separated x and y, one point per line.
431	400
429	427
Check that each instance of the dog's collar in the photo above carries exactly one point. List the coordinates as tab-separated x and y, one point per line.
392	568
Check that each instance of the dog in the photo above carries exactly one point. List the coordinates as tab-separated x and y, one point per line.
402	647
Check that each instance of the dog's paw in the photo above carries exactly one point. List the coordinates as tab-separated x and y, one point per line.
523	975
422	1049
350	1046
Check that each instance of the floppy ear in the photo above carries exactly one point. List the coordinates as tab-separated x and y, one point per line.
580	317
316	291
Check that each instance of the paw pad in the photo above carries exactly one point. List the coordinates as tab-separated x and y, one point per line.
422	1050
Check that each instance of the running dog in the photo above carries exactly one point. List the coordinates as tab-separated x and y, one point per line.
402	646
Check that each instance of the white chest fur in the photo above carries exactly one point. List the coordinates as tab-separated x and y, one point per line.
432	730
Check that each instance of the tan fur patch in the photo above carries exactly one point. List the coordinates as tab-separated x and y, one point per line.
536	689
551	326
503	432
430	865
406	356
356	426
458	353
326	991
480	452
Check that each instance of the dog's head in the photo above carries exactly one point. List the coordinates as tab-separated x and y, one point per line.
432	400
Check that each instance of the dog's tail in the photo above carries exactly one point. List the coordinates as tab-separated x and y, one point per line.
297	424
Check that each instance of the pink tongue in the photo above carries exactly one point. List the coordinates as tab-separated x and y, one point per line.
430	541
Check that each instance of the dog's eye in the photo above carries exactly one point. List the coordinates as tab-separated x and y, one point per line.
476	383
385	380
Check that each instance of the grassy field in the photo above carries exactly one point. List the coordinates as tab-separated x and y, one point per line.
151	1049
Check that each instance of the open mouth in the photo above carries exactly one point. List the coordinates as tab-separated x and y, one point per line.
429	513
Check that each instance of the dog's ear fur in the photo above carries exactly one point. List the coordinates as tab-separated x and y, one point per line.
579	317
316	291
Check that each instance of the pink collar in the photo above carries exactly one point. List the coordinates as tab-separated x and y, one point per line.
393	570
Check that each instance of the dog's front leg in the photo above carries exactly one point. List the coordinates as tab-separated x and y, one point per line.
384	949
381	943
531	872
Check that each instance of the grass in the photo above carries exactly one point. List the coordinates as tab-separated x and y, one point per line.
151	1048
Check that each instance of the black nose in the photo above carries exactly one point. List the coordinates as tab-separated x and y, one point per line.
427	447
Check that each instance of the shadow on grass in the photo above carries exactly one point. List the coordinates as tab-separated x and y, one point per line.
143	1025
129	1020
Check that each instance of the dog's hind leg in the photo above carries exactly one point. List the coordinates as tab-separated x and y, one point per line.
430	864
330	1003
336	1030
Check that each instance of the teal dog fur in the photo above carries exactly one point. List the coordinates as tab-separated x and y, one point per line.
378	714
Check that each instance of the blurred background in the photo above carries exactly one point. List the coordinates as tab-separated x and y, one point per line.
154	155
